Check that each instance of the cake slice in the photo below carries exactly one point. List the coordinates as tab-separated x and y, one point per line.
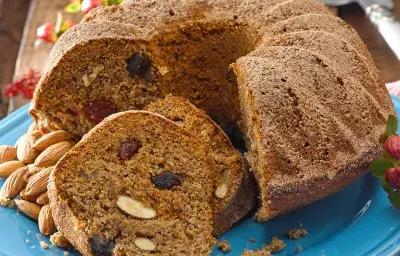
137	184
234	190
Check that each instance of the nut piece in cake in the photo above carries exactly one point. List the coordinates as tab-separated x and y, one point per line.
135	208
145	244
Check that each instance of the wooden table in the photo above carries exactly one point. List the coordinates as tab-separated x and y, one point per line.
16	16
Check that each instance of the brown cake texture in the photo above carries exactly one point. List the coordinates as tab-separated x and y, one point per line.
137	184
297	81
234	192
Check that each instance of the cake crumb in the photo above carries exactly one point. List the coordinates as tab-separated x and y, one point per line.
256	253
27	240
44	245
252	239
298	250
29	231
11	204
4	201
300	224
224	246
275	246
59	240
297	233
66	253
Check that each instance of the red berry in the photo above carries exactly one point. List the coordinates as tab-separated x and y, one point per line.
392	146
392	177
88	5
11	90
47	33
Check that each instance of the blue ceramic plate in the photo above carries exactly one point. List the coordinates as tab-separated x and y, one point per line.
356	221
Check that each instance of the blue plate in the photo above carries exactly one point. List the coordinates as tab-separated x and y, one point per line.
359	220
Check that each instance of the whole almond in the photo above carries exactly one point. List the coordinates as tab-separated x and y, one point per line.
31	210
38	183
24	196
25	153
33	127
36	134
15	183
9	167
32	169
43	198
51	138
7	153
45	220
52	154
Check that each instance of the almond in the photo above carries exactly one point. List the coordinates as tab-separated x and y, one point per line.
38	183
135	208
31	210
33	127
25	153
32	169
222	188
9	167
52	154
43	198
24	196
36	134
7	153
45	220
14	183
145	244
50	139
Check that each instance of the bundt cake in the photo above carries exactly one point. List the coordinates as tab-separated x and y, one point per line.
234	191
297	81
137	184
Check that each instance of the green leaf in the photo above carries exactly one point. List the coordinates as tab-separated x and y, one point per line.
379	167
113	2
394	198
388	157
388	189
391	126
73	7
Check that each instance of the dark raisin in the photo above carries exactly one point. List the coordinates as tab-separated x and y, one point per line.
99	247
140	66
129	149
97	110
166	180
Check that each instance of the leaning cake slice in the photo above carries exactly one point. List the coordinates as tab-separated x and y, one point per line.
234	190
136	184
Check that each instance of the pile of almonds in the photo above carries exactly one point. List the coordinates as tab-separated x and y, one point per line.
27	167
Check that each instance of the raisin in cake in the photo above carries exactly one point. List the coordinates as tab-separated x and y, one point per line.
137	184
234	191
296	80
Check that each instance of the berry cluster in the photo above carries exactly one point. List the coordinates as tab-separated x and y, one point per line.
388	167
26	85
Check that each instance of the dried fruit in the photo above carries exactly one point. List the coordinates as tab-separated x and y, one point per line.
129	149
31	210
145	244
47	33
392	177
9	167
7	153
43	198
97	110
222	188
52	154
166	180
45	221
14	184
135	208
392	146
51	138
140	66
25	152
38	183
88	5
